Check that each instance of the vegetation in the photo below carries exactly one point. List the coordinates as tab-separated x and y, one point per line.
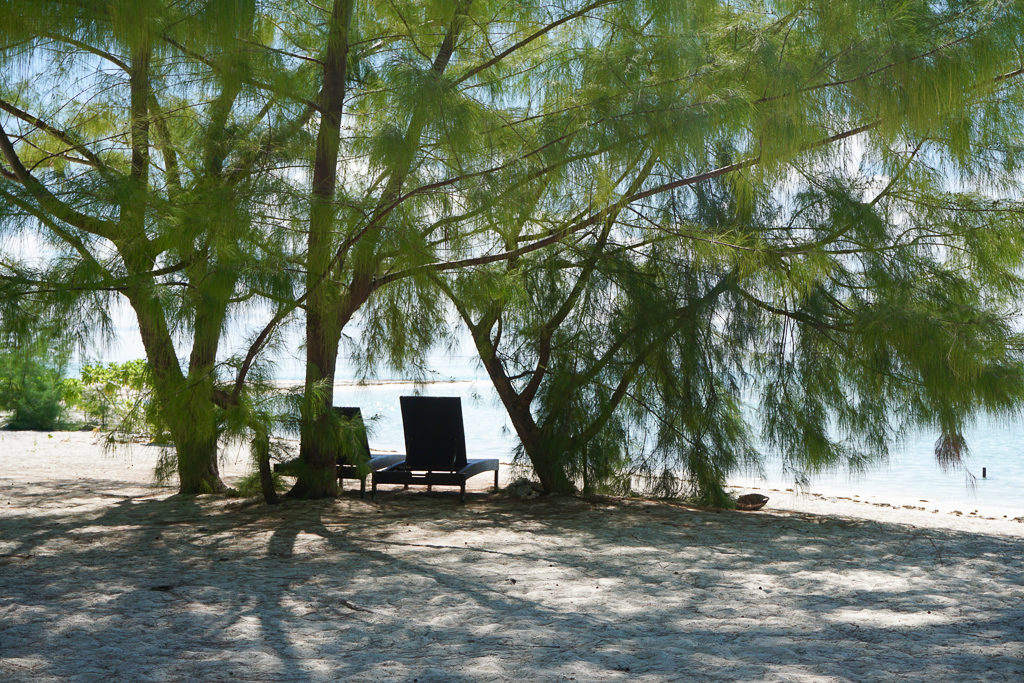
126	185
32	387
793	221
115	397
120	397
647	214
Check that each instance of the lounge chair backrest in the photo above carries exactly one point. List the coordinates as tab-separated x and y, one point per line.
434	435
353	445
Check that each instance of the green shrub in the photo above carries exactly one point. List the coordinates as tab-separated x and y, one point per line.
249	486
109	391
120	397
32	387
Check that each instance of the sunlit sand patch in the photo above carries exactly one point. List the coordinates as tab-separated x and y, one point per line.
889	618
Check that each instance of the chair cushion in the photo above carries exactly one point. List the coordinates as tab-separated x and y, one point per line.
434	435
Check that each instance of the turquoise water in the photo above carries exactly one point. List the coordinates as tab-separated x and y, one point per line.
910	475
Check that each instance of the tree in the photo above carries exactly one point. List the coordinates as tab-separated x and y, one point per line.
846	303
413	178
133	161
567	146
32	385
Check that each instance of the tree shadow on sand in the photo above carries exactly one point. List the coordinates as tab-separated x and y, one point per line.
416	586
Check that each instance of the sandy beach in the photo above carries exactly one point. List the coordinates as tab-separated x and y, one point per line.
104	576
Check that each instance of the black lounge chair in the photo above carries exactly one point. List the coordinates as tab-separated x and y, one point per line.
435	444
354	448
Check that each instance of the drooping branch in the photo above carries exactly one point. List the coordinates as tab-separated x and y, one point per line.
539	33
598	216
263	85
70	238
47	200
797	316
547	330
681	316
91	49
88	155
391	197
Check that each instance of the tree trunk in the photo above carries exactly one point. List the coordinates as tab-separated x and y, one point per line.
318	441
186	407
191	417
261	446
545	463
197	462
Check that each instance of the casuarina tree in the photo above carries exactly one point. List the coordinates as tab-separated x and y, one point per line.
650	214
131	151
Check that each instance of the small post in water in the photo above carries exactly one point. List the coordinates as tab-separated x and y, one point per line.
984	472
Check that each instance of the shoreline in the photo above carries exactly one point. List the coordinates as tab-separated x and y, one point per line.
925	514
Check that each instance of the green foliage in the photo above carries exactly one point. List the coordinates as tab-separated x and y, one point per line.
120	396
680	233
172	203
32	386
250	485
110	393
671	358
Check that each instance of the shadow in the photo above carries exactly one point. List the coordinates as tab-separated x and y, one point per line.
148	586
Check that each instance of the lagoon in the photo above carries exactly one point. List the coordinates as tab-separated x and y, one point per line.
910	476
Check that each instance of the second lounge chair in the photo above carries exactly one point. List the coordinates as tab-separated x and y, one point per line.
435	444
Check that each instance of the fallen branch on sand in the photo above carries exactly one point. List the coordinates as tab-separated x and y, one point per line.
354	607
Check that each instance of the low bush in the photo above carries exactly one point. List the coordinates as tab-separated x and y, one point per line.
119	397
33	388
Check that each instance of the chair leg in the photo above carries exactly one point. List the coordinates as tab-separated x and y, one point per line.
373	490
362	487
430	487
495	480
462	493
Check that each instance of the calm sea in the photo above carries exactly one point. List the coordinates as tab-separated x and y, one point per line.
909	476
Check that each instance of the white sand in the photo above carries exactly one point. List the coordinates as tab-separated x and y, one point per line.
104	577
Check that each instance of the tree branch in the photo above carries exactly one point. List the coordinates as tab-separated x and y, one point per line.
529	39
47	200
57	133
